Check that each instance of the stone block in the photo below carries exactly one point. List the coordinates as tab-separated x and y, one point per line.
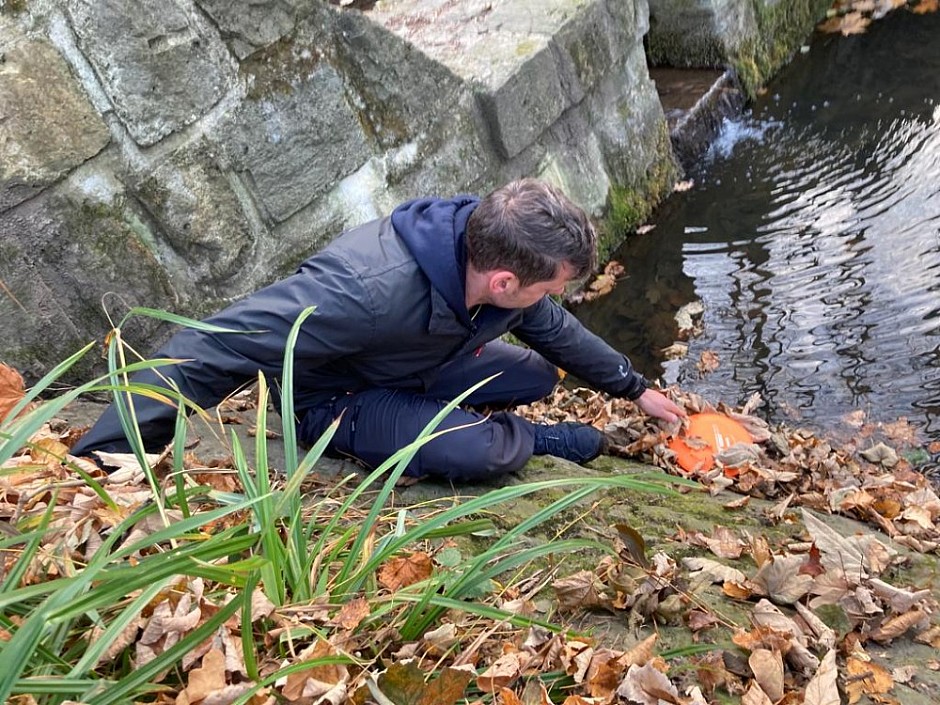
401	93
505	50
699	33
161	66
47	125
199	216
64	262
295	135
249	25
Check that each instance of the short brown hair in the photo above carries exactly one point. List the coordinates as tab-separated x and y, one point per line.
529	228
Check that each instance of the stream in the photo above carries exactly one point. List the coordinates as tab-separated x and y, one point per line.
811	237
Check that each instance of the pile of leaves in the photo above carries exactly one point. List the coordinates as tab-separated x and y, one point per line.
242	648
853	16
876	484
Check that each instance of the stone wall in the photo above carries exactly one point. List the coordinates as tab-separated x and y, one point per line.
755	36
178	154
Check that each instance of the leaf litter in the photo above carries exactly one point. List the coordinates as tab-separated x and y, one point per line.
787	651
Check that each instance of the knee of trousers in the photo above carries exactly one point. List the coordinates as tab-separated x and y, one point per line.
501	444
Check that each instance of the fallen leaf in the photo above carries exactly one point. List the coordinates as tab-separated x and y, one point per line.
351	614
767	666
926	6
781	580
641	654
503	671
896	626
708	362
865	678
707	570
822	689
724	543
208	678
12	390
682	186
647	686
404	571
755	695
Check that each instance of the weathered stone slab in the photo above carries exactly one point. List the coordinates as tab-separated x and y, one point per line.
200	216
699	32
249	25
295	134
47	125
505	48
160	65
401	93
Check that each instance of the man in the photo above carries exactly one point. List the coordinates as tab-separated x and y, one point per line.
409	310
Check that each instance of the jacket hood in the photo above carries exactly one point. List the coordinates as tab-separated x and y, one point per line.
433	229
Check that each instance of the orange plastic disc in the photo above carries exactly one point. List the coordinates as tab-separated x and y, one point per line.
708	435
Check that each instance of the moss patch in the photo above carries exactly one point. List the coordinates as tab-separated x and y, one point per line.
630	205
782	28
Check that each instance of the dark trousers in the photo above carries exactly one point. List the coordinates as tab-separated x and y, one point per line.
375	423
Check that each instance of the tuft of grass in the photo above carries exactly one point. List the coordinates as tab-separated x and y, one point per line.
328	551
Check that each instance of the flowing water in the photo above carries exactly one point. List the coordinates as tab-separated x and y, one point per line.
812	238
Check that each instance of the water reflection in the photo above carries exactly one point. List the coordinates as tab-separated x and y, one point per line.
812	236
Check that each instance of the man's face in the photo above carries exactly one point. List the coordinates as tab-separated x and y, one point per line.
515	296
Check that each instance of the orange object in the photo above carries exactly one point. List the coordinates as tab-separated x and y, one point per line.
706	436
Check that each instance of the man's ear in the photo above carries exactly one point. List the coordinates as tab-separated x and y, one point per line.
502	282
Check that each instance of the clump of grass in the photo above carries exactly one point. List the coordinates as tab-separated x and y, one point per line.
61	618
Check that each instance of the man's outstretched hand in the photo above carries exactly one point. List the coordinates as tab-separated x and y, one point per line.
656	404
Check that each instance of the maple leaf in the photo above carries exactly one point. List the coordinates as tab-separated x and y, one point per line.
503	671
404	571
12	389
406	684
865	678
781	580
351	614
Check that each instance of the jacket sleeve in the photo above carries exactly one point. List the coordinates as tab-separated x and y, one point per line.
213	365
560	338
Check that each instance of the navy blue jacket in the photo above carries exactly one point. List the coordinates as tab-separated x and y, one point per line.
390	310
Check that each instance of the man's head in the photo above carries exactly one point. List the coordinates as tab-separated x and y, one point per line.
529	239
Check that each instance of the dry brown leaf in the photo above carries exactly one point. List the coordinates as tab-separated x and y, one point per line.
648	686
896	626
583	590
755	696
725	543
706	570
208	678
767	666
781	580
699	620
351	614
926	6
641	654
508	697
12	389
404	571
865	678
739	503
503	671
930	636
708	362
823	689
898	599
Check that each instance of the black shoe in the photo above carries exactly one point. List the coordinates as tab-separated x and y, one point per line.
573	441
